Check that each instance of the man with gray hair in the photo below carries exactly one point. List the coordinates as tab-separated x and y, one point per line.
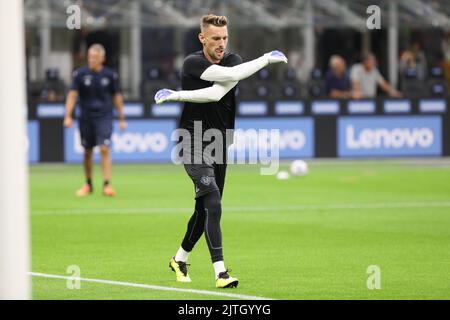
337	79
98	90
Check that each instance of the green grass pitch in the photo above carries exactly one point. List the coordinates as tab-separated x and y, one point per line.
303	238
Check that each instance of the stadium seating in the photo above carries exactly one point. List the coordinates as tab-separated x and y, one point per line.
290	88
53	89
437	85
316	86
411	85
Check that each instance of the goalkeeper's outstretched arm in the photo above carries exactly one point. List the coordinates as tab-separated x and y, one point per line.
210	94
225	79
242	71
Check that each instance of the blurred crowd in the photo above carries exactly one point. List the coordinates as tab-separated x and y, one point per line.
361	80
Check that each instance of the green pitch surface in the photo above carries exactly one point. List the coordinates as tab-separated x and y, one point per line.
303	238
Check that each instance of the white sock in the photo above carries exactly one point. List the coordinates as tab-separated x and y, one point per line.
182	255
219	267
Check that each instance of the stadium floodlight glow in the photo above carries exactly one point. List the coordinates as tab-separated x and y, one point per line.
14	232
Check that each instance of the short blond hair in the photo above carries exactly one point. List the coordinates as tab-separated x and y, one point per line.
214	20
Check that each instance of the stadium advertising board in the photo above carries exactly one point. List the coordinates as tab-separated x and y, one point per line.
32	142
57	110
295	140
142	141
389	136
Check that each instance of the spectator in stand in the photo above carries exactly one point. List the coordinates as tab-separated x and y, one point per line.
365	78
337	80
414	58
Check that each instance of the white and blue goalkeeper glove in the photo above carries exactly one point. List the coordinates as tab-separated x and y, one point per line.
276	56
164	95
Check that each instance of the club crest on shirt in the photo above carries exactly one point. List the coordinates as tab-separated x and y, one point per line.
87	81
205	180
105	82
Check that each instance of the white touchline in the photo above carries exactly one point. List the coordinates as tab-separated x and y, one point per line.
150	287
306	207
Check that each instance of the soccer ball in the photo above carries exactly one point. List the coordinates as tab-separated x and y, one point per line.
283	175
299	168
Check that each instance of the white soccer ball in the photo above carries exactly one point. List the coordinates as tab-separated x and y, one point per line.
283	175
299	168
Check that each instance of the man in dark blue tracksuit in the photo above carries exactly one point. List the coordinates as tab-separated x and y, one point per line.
98	90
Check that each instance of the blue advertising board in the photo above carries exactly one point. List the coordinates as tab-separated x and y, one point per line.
389	136
33	141
253	108
57	110
295	137
142	141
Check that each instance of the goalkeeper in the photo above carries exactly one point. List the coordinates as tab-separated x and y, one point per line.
209	79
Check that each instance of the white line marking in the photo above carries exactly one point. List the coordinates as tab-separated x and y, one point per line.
151	287
306	207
